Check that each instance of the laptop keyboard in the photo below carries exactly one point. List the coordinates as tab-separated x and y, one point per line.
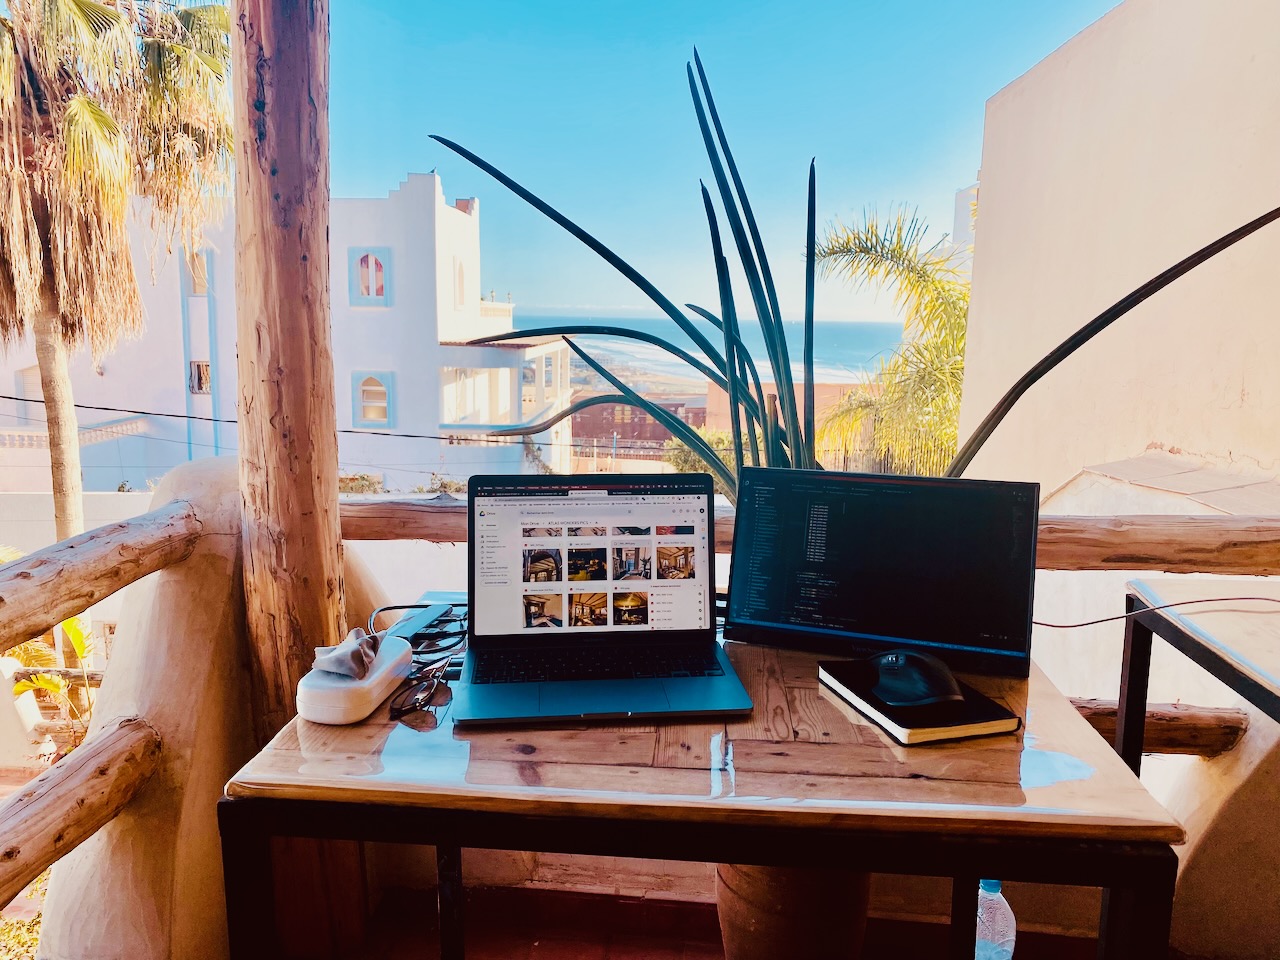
587	663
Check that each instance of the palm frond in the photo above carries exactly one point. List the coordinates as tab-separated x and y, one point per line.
914	409
208	27
99	37
926	282
96	160
44	682
34	654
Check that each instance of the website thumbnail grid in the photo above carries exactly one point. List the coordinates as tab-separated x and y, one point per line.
591	562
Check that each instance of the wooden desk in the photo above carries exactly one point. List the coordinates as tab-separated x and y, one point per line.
1236	641
795	784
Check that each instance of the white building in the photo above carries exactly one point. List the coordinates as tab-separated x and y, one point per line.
413	402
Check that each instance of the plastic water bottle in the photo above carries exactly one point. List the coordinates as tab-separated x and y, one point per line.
996	929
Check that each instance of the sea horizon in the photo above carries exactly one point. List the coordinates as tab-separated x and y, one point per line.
845	351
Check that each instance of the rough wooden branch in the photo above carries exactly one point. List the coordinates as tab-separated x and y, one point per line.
1198	544
443	519
66	804
1173	727
44	588
94	677
1224	545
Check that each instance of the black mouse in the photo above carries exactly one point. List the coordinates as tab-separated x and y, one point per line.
911	678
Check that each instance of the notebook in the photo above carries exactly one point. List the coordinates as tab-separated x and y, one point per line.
592	597
847	683
854	564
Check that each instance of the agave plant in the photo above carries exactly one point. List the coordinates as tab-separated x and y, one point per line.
766	429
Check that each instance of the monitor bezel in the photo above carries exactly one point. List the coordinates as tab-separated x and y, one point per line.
835	642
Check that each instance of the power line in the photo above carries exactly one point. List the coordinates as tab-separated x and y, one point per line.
452	439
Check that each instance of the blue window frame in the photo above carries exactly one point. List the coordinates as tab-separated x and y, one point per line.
369	276
373	399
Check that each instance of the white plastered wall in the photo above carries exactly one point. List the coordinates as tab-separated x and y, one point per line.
1153	132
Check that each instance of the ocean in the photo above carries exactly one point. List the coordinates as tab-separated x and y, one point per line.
844	352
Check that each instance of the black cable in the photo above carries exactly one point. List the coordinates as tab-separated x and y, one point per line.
1161	606
453	439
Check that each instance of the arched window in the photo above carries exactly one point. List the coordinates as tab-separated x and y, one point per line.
373	399
369	280
372	283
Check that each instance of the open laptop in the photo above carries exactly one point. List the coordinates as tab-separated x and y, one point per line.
592	597
855	564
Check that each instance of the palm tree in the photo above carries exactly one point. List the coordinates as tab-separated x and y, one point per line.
912	409
100	102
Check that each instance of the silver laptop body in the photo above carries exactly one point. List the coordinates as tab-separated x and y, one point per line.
605	578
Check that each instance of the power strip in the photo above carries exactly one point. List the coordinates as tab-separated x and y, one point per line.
332	698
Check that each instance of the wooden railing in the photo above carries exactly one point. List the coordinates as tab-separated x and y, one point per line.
86	789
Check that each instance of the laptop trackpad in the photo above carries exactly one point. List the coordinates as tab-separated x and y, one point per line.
601	698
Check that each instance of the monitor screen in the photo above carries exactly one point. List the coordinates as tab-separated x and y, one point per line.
586	557
850	562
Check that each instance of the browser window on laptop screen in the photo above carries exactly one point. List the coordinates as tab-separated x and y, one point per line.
859	562
590	558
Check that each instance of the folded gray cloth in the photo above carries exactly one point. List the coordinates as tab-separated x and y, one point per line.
352	657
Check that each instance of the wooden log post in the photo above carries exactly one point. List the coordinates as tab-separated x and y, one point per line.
288	424
66	804
287	421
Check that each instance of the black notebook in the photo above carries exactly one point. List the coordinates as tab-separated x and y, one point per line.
848	683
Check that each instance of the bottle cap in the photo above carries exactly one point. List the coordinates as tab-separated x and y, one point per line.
990	886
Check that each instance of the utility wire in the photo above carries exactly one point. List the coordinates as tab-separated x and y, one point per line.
454	439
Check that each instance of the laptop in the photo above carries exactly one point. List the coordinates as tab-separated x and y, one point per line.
855	564
592	597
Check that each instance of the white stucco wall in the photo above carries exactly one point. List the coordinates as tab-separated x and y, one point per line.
425	241
1153	132
1148	135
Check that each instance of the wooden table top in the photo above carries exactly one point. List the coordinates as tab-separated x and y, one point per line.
1245	634
797	760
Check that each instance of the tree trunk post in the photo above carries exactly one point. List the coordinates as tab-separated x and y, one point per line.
287	421
61	423
288	425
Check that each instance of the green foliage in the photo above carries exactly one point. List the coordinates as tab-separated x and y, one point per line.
19	939
913	407
360	483
685	460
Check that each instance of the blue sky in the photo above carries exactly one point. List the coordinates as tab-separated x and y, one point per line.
587	105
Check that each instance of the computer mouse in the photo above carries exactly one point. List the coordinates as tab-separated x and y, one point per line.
911	678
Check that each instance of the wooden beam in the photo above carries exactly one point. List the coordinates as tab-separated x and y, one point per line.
66	804
443	519
1223	545
44	588
287	421
1173	727
91	677
1197	544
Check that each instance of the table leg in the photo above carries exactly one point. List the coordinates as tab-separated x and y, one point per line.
964	918
247	883
1135	672
449	893
1136	919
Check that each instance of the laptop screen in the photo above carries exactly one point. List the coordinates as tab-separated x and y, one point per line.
841	561
591	557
